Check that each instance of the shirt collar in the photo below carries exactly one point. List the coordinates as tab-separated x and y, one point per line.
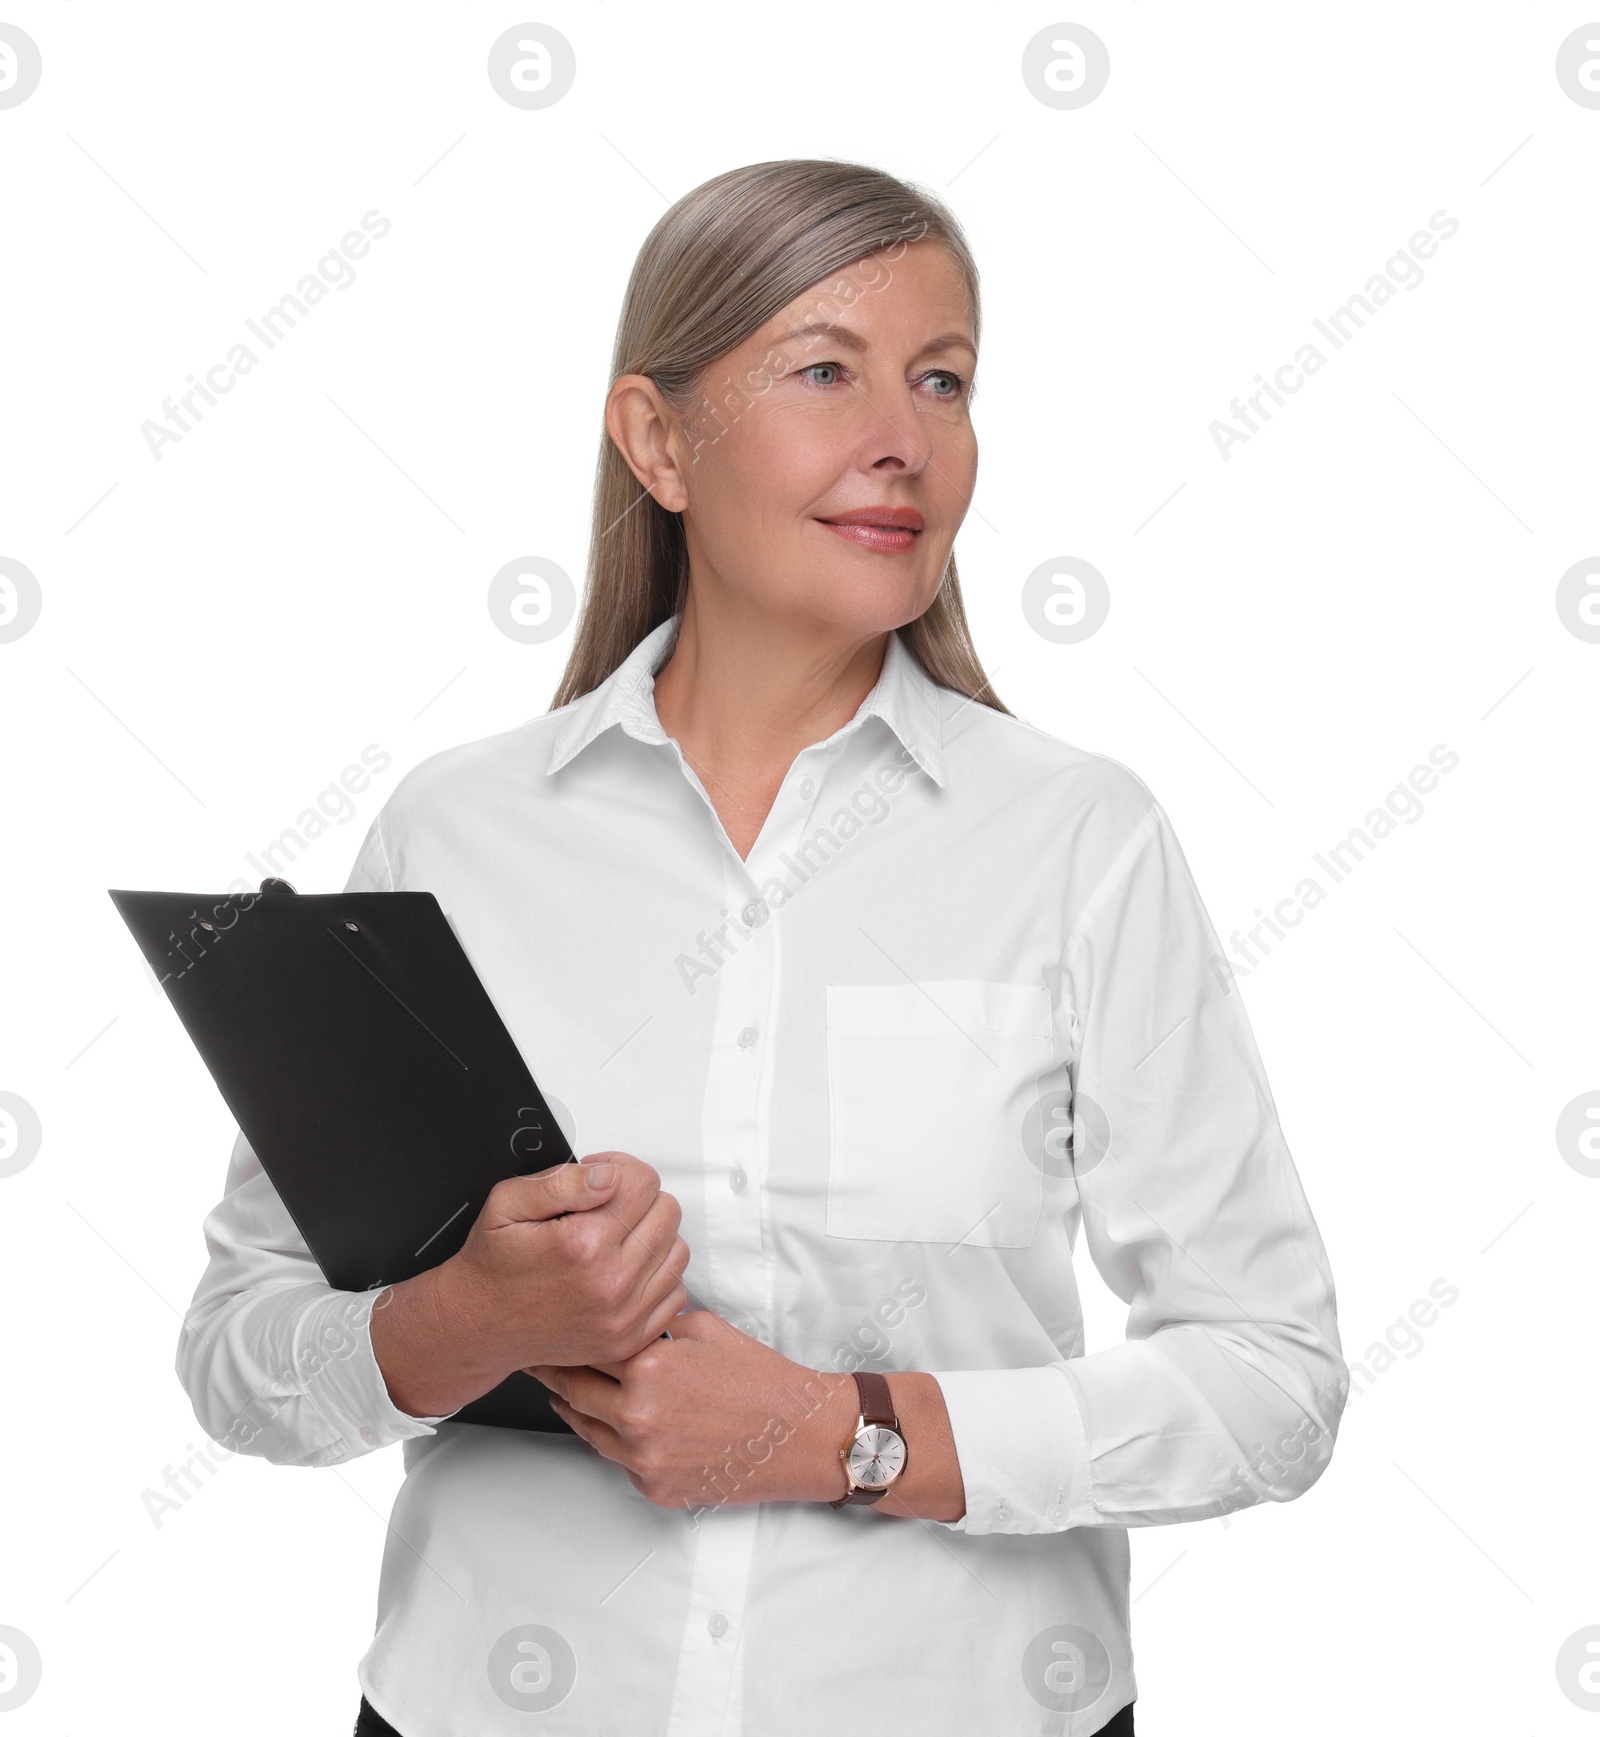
904	696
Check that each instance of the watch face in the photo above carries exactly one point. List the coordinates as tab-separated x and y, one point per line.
877	1456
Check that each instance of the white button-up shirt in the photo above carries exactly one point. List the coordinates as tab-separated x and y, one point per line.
961	998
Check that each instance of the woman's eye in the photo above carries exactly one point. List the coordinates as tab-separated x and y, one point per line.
948	385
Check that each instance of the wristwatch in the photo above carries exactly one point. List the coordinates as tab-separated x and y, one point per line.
875	1455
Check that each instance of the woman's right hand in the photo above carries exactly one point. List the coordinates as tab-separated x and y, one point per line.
554	1270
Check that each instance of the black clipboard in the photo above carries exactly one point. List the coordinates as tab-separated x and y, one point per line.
361	1055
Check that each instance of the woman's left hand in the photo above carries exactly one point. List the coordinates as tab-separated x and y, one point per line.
712	1416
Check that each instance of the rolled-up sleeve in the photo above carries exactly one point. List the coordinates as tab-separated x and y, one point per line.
276	1362
1230	1383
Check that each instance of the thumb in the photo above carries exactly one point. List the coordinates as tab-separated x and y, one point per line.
591	1182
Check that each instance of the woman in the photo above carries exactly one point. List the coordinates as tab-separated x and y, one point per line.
862	994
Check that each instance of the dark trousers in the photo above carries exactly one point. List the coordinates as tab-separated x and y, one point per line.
368	1724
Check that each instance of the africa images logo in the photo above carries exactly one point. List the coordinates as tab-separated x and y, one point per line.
1402	270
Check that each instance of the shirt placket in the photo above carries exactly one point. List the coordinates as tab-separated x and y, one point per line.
737	1276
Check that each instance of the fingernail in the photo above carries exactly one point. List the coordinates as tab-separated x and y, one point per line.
601	1175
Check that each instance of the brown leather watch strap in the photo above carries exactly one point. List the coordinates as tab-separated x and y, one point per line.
877	1407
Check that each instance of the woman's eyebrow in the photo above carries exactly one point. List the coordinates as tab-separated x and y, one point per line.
949	341
854	341
825	329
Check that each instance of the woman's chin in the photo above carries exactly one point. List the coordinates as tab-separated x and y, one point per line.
862	603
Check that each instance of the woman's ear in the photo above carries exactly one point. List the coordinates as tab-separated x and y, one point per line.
644	428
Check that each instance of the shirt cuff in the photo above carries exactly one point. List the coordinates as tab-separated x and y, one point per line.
348	1388
1024	1456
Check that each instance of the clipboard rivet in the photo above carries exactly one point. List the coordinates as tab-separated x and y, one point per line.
205	925
355	926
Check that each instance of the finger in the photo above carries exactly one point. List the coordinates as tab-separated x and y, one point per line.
591	1392
581	1426
596	1431
662	1277
668	1313
637	1192
654	1307
654	1331
553	1375
657	1231
650	1276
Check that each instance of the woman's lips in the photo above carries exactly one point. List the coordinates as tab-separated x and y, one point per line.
878	537
889	530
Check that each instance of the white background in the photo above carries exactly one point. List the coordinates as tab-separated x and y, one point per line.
305	573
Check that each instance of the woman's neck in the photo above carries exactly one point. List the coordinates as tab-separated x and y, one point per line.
745	691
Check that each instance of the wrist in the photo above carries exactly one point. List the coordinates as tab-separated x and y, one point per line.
836	1423
931	1487
464	1323
882	1453
427	1351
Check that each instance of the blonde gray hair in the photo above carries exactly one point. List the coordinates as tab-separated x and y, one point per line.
716	267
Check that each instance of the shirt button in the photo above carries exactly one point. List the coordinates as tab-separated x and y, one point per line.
736	1179
808	788
718	1625
753	913
368	1433
1058	1515
1002	1512
747	1037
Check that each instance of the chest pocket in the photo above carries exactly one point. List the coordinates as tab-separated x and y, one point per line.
929	1085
